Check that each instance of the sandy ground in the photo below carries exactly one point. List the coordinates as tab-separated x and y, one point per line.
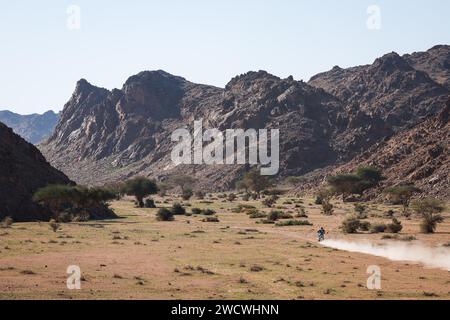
137	257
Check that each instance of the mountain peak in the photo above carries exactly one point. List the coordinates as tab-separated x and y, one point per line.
392	61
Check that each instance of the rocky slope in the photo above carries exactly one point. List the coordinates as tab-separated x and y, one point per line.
106	136
389	88
34	127
23	170
419	155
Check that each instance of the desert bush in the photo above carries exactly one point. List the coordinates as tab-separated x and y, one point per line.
293	223
390	213
276	215
54	225
401	194
395	226
246	197
208	212
6	222
149	203
196	211
231	197
352	224
257	214
164	214
199	195
178	210
211	219
270	201
186	193
327	207
429	209
360	210
140	187
378	228
364	225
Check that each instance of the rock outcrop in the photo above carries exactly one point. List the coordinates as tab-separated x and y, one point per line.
23	170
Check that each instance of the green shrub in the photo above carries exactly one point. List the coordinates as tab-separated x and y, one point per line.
186	194
270	201
360	210
231	197
211	219
149	203
430	211
351	224
178	210
164	214
257	214
196	211
327	207
378	228
276	215
394	227
293	223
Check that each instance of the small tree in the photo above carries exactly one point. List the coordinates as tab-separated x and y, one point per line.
327	207
256	182
402	194
430	210
140	187
187	193
344	184
365	177
182	181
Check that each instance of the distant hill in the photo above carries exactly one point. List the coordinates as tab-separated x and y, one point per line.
34	127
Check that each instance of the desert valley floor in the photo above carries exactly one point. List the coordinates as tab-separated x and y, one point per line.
138	257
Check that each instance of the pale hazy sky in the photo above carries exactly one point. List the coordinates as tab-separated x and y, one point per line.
205	41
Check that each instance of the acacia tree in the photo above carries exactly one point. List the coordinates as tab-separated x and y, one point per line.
256	182
140	187
402	194
183	181
366	177
430	210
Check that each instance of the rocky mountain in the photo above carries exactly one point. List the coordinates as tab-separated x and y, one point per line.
34	127
418	155
390	88
434	62
106	136
23	170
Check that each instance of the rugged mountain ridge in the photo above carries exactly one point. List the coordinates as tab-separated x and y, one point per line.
418	155
23	170
106	136
33	127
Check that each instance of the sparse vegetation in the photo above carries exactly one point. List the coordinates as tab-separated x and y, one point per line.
178	210
6	223
54	225
293	223
140	187
402	194
429	209
164	214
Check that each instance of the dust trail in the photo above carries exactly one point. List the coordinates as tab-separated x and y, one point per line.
436	257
